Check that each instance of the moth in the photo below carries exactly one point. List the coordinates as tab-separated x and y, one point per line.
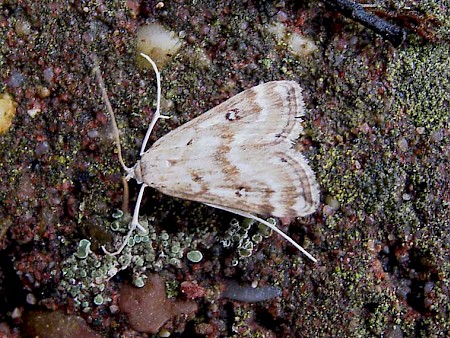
238	156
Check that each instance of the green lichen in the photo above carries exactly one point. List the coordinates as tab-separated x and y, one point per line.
83	273
139	281
245	248
238	235
172	288
421	82
98	300
118	214
84	248
194	256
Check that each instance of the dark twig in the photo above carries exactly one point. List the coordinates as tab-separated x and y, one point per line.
393	33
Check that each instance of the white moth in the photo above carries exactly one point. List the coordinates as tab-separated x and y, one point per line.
238	157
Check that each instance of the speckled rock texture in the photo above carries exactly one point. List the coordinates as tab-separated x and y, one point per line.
377	136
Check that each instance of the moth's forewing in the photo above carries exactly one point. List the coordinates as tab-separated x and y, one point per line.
239	155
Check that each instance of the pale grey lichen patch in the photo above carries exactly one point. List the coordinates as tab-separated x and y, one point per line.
194	256
86	273
98	300
84	248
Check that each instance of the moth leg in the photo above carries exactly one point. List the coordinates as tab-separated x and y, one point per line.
134	224
271	226
157	115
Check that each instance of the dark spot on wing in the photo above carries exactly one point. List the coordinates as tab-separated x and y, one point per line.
232	114
196	177
240	192
171	162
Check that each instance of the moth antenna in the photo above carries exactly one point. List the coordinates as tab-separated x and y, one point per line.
134	224
101	83
282	234
269	225
157	115
130	171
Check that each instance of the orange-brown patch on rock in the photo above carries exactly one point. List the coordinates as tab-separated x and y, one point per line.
148	308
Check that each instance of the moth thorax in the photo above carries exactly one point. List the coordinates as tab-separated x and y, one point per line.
135	172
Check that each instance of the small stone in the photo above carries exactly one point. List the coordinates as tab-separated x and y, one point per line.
148	308
31	299
420	130
403	144
43	92
15	80
22	28
17	313
57	325
164	333
7	112
158	43
33	112
332	202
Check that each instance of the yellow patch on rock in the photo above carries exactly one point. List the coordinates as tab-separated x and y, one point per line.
7	112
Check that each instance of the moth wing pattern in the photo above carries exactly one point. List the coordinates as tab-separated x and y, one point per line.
239	155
